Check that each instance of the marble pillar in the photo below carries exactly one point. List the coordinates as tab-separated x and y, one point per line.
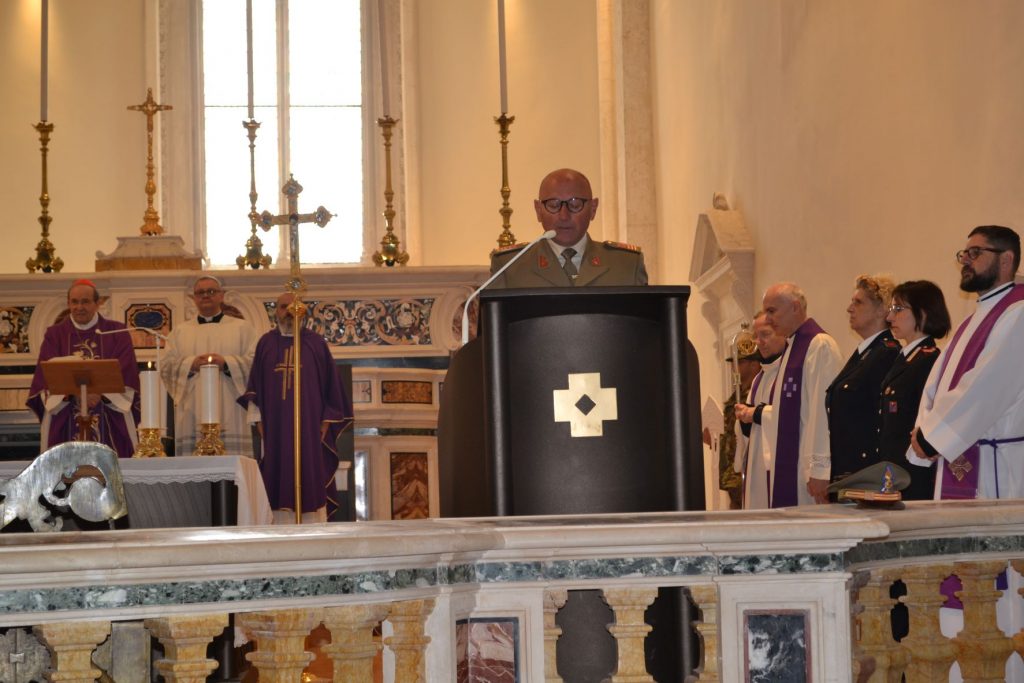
185	639
875	649
554	600
71	644
706	598
408	639
981	647
629	630
280	637
353	648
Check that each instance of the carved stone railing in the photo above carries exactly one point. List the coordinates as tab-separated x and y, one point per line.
430	600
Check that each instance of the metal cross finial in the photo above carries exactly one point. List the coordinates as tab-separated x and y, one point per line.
292	219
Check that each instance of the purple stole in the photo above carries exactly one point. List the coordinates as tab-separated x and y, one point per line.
966	487
787	447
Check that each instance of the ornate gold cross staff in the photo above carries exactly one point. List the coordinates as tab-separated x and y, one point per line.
297	287
150	108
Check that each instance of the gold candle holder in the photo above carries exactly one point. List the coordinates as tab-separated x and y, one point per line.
150	445
209	442
254	257
45	260
506	238
390	249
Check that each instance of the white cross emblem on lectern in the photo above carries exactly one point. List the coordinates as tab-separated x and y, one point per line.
585	405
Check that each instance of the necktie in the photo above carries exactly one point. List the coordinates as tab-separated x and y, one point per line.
569	267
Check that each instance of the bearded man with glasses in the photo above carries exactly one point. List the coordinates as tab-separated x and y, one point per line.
566	205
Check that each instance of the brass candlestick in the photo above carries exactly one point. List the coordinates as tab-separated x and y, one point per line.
45	260
254	257
390	250
506	238
150	445
209	442
151	224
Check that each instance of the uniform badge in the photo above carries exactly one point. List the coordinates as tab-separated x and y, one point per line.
893	408
596	261
542	260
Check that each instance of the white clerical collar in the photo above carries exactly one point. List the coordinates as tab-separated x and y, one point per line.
89	325
912	345
997	292
285	334
580	247
863	346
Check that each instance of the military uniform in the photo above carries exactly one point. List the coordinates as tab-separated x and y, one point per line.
852	404
605	264
899	401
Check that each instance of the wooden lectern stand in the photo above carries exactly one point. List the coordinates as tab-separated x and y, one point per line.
83	377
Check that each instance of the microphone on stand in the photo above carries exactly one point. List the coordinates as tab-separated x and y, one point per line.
465	309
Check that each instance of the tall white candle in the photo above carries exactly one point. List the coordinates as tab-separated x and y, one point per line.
248	54
209	386
382	32
502	63
150	399
44	58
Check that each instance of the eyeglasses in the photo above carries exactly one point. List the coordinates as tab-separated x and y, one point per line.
211	291
897	308
973	253
574	204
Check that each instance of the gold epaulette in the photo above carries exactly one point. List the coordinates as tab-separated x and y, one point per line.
508	250
622	245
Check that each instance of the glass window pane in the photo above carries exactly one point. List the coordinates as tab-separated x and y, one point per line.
224	71
325	57
327	159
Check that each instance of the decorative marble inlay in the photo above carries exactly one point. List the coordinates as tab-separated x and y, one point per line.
914	548
777	646
14	328
369	322
154	316
123	596
405	391
487	650
410	489
362	391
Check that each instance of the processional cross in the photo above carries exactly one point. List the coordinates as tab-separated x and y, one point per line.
296	286
150	108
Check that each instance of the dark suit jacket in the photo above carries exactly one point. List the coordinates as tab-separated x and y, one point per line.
900	398
852	404
605	264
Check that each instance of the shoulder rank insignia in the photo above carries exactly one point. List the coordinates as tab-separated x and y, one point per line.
509	249
621	245
929	349
891	343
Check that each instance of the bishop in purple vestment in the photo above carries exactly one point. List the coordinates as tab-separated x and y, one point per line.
326	412
115	416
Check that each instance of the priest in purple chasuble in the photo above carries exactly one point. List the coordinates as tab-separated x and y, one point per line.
115	416
326	412
795	411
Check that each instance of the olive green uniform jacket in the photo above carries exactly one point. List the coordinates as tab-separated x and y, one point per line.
605	264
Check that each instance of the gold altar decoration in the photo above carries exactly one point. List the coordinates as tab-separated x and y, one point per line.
254	256
150	445
390	249
209	441
45	260
296	286
506	238
151	225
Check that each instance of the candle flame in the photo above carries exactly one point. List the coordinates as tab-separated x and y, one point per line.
209	359
149	365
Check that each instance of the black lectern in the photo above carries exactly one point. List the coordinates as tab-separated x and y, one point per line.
579	401
523	404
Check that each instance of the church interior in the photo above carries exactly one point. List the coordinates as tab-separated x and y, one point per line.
737	144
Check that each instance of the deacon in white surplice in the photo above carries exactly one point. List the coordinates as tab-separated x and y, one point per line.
223	340
971	419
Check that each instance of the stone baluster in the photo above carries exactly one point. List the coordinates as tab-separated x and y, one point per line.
554	600
71	644
280	639
185	639
931	653
353	648
629	631
408	639
1018	638
981	647
873	641
705	596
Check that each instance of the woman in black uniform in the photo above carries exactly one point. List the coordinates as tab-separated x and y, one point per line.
918	316
852	398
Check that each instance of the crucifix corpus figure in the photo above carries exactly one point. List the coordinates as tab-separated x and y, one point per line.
320	410
150	108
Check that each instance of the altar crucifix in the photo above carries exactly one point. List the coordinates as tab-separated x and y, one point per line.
151	224
296	286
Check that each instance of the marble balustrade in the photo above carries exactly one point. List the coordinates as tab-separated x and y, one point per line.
432	599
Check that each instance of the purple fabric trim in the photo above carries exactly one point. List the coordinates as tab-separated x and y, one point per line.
787	450
967	488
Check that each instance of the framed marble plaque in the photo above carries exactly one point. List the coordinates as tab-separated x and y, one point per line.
487	650
777	647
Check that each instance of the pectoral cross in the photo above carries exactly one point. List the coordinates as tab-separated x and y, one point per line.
286	368
150	108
